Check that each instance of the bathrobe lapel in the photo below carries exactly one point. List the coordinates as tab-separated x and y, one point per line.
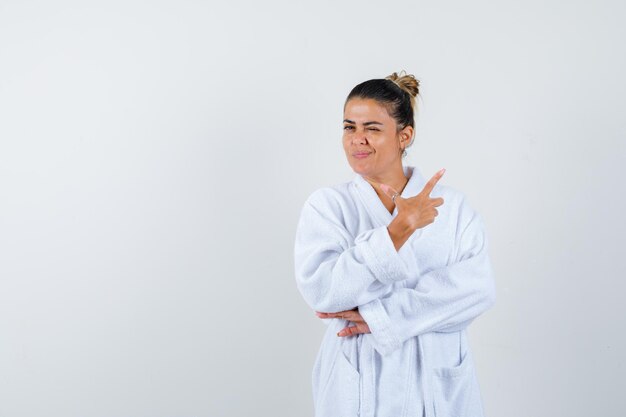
375	206
379	213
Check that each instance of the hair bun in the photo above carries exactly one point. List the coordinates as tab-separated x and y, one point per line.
406	82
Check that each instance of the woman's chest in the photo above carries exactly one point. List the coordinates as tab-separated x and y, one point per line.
428	248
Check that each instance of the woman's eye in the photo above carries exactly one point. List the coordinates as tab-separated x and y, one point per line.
352	128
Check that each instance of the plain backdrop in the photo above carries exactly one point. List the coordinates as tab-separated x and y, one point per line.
155	155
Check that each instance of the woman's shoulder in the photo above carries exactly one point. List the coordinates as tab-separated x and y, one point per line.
451	195
331	197
461	206
458	204
338	197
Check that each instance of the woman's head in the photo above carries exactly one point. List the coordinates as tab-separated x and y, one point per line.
379	120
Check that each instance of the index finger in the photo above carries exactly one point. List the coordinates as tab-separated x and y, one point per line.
431	183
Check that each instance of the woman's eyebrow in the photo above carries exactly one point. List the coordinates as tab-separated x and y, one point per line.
373	122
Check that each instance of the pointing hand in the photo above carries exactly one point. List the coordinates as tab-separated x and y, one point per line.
418	211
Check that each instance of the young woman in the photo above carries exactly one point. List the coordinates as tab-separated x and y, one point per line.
398	268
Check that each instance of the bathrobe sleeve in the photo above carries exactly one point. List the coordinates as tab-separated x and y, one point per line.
336	271
446	299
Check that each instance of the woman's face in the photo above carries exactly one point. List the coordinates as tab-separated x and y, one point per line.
370	139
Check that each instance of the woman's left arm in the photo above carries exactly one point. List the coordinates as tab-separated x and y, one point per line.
445	300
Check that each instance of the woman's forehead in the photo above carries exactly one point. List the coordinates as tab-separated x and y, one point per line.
358	110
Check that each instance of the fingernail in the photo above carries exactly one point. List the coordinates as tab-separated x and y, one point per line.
384	187
442	171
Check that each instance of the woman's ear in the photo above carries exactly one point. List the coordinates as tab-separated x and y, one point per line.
406	135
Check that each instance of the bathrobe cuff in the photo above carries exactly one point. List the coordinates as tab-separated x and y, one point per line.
384	335
386	263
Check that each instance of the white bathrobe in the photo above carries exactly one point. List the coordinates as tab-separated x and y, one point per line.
418	302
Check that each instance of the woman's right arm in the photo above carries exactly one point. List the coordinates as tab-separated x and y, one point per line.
336	272
399	232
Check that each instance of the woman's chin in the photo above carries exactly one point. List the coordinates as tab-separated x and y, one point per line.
359	166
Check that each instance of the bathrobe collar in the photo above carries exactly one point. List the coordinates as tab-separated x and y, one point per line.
375	205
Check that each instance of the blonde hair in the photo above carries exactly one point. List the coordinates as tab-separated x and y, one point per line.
408	83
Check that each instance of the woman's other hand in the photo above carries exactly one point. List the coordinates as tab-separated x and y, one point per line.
350	315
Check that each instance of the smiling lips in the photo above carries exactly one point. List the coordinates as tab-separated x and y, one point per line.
361	155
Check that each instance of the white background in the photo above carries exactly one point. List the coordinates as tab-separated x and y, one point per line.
154	157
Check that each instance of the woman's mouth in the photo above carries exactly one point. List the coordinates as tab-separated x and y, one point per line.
362	155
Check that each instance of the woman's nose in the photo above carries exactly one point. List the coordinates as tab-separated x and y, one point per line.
360	138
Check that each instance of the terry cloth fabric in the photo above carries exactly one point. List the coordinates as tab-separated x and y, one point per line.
417	302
